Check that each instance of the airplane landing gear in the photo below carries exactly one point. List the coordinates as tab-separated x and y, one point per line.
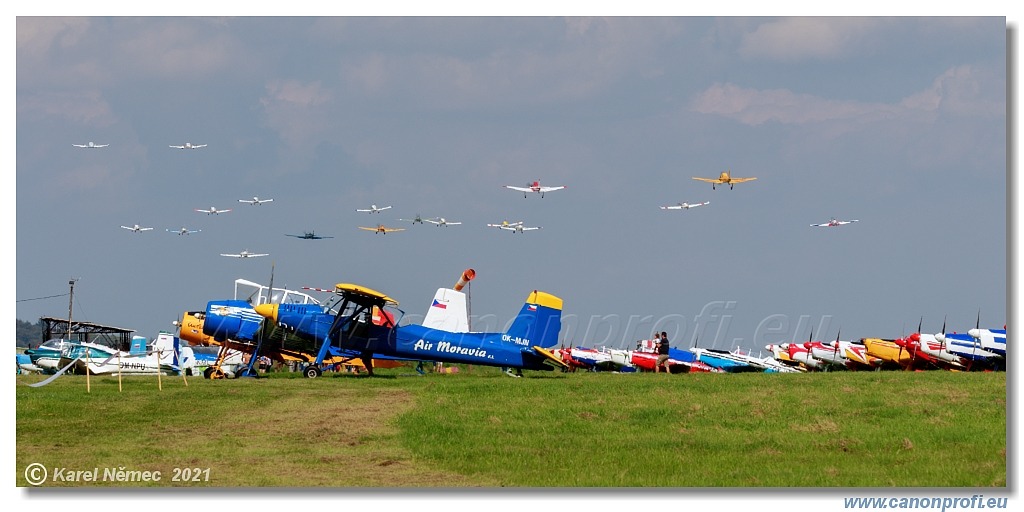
312	372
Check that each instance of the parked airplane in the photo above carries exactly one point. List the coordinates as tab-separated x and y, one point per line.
534	187
91	144
184	231
414	220
373	209
245	254
382	229
724	178
309	235
833	223
523	346
136	228
440	221
684	206
255	201
189	145
213	211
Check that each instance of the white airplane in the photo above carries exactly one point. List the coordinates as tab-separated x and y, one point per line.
440	221
255	201
245	254
686	206
833	223
515	227
184	231
534	187
136	228
90	145
373	209
213	211
189	145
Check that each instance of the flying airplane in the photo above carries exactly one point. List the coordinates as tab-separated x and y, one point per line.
523	346
515	227
309	235
91	144
189	145
506	224
255	201
136	228
414	220
213	211
184	231
440	221
724	178
833	223
382	229
373	209
686	206
534	187
245	254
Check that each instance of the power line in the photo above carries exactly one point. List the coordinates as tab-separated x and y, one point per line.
41	298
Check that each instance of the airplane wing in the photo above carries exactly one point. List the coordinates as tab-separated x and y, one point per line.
250	201
520	189
232	255
266	200
825	225
129	228
177	147
432	221
709	180
258	255
143	229
368	229
101	145
506	228
389	230
551	189
677	207
848	221
741	180
200	146
361	210
453	223
80	145
530	229
384	208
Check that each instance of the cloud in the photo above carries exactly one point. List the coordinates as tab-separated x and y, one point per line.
791	39
86	107
961	91
298	112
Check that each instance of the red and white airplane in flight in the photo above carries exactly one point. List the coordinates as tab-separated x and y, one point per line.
833	223
534	187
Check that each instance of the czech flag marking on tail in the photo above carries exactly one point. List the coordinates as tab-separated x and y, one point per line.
438	304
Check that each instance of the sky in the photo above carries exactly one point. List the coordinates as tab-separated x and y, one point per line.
900	123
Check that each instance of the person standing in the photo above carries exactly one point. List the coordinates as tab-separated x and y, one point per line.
662	353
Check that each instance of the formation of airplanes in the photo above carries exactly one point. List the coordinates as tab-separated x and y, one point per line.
91	145
534	187
136	228
188	145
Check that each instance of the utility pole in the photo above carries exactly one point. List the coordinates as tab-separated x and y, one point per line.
71	302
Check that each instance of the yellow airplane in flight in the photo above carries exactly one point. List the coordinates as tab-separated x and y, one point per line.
724	178
381	229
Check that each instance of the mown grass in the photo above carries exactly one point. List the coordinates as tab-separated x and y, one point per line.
480	428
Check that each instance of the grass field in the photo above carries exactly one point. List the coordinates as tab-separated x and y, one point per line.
479	428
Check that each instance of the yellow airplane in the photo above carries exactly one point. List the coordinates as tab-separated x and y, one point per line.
381	229
724	178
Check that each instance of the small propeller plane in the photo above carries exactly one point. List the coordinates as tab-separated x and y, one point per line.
515	227
309	235
534	187
91	145
373	209
440	221
255	201
525	345
183	231
685	206
834	223
213	211
245	254
136	228
724	179
415	220
382	229
189	145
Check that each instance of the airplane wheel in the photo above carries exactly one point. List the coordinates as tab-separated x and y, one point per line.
213	373
313	372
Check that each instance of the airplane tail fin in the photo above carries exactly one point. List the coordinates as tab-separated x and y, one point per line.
539	322
447	312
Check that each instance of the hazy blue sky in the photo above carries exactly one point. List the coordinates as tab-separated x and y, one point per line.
897	122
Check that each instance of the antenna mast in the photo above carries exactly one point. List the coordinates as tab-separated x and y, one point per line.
71	303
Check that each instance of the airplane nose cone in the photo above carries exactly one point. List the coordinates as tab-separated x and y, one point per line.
974	333
267	311
940	337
